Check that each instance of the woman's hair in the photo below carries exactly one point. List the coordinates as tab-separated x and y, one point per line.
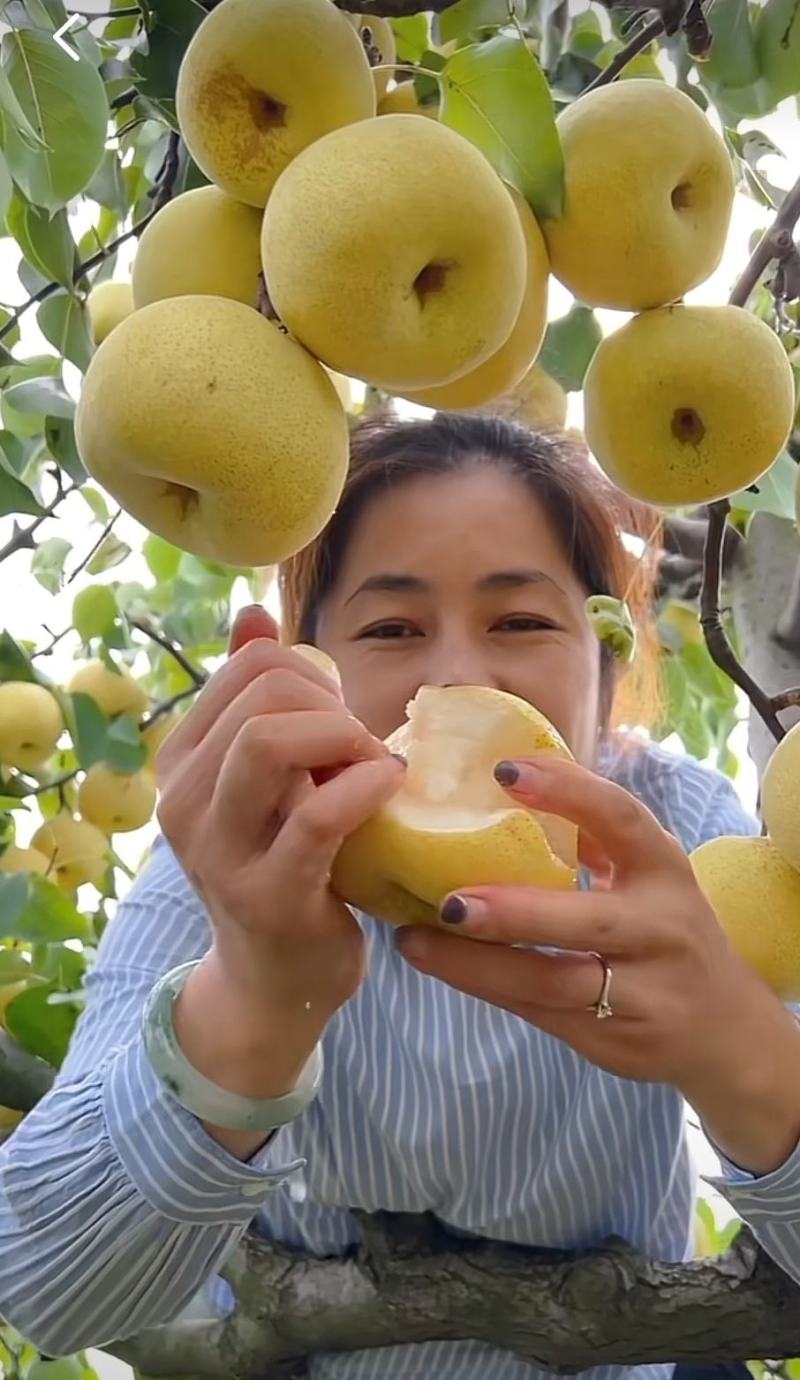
587	513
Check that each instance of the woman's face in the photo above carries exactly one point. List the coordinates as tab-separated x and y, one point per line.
461	580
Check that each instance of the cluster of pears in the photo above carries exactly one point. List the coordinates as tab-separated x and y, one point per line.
72	848
754	883
344	232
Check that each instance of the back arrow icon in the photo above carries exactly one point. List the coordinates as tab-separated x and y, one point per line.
73	19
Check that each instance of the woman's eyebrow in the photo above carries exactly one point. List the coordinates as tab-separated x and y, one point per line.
388	582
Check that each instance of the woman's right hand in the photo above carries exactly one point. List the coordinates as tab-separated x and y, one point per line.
254	833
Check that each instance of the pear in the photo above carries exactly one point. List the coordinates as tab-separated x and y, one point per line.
512	361
402	99
383	46
688	404
115	692
261	80
76	850
394	253
107	305
157	733
215	430
756	895
31	724
200	242
649	192
780	796
537	401
117	802
15	859
450	824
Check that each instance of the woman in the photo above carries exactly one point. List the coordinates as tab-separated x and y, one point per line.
471	1080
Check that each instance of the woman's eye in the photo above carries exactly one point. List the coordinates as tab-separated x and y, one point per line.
385	631
521	622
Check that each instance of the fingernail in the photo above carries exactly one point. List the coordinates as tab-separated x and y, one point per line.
454	910
506	773
398	757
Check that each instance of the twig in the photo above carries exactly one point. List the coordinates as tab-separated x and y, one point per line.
96	546
711	622
775	243
646	35
786	699
124	98
55	785
23	537
164	186
161	710
198	677
55	639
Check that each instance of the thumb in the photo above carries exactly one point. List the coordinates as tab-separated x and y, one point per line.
251	622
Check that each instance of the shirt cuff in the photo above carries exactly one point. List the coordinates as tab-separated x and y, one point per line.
180	1170
775	1194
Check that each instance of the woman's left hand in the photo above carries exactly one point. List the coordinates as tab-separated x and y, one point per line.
678	989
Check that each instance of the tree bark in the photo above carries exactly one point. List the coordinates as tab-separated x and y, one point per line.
410	1281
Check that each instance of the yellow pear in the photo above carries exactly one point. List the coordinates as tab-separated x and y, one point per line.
214	429
117	801
76	848
116	692
780	796
157	733
31	723
381	40
756	895
320	659
411	266
538	401
688	404
450	824
200	242
403	100
16	859
107	305
262	79
511	362
648	196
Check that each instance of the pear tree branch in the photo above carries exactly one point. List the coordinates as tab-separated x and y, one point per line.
197	676
23	537
640	41
777	243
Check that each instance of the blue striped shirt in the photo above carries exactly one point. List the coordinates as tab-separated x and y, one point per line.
116	1207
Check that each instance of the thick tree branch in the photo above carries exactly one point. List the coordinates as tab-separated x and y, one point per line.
778	243
24	1079
410	1281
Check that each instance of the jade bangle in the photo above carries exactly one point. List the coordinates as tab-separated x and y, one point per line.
204	1099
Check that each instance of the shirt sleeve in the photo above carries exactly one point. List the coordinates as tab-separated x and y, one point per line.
116	1205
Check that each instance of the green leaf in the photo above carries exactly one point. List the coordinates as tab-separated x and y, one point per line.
65	102
13	966
62	321
16	497
125	750
496	95
162	557
569	344
59	434
38	912
107	187
41	1029
88	728
110	552
62	967
173	24
465	16
46	242
47	564
6	188
412	37
732	60
777	39
95	501
13	115
776	491
43	397
94	611
14	664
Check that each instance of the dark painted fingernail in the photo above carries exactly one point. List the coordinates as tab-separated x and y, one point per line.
454	910
398	757
506	773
